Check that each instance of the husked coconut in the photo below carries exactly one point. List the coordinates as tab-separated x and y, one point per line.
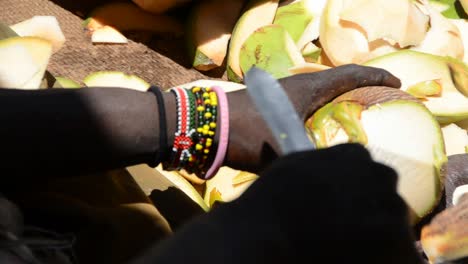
398	131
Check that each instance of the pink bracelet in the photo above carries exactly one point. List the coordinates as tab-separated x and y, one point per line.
223	132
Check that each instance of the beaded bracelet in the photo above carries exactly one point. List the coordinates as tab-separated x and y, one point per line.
223	133
206	106
163	146
183	136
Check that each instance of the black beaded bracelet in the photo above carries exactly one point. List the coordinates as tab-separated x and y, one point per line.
163	146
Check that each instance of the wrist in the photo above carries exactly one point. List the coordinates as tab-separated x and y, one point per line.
251	145
171	122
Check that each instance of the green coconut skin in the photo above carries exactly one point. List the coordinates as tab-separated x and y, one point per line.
333	116
238	31
267	49
455	10
62	82
459	72
425	89
311	53
294	18
202	61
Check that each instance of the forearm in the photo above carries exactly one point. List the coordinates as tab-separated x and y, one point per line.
77	131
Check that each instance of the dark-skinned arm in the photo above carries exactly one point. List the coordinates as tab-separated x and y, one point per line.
47	132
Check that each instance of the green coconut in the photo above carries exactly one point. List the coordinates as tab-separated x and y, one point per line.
256	14
398	131
272	49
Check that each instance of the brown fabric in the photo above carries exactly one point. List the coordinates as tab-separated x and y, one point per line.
79	56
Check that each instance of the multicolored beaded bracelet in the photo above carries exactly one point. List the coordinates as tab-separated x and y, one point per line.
184	159
223	133
183	135
207	102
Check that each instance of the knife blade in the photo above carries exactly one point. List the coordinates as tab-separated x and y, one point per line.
277	110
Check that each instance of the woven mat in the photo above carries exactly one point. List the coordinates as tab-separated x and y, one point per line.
79	56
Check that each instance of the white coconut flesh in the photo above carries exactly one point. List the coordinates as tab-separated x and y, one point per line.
455	138
116	79
370	28
108	34
23	62
399	21
17	67
404	136
308	67
443	38
225	184
184	185
462	25
46	27
334	32
438	6
413	67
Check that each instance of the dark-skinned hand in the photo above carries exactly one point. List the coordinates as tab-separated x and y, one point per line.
251	144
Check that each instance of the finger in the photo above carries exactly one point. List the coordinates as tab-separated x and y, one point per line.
371	76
